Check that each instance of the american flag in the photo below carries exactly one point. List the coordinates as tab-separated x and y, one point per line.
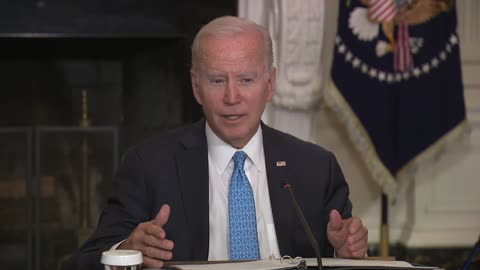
403	59
382	10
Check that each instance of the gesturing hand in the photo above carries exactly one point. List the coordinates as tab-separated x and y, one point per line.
150	239
348	237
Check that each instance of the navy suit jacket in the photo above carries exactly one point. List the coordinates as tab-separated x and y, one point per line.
173	169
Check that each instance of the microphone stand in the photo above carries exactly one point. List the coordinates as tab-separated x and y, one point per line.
310	236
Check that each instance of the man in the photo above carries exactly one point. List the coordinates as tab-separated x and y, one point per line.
173	194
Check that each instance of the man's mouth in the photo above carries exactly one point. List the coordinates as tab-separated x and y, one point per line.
233	116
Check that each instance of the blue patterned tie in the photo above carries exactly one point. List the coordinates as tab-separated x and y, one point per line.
241	211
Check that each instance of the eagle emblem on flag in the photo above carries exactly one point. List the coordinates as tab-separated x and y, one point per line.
386	16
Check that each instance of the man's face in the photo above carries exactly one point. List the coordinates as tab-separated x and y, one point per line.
233	85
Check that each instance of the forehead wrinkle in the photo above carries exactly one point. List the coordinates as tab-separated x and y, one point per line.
225	51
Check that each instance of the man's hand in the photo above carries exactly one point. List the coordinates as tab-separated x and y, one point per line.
348	237
150	239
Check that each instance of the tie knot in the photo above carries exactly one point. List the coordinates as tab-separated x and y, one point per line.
239	159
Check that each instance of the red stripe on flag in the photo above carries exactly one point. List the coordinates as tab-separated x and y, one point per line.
379	10
391	14
403	59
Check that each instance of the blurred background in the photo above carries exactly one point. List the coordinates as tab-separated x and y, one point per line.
82	81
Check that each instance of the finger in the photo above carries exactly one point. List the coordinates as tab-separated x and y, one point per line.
155	230
336	222
157	253
361	234
159	243
162	216
360	253
359	243
355	225
135	239
152	263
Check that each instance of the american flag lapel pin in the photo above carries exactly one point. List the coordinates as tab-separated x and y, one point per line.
281	163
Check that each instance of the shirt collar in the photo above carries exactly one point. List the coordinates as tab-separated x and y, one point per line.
221	153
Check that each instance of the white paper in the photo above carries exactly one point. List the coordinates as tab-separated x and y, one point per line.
287	264
253	265
336	262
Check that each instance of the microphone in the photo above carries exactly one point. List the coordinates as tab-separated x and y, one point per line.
475	251
286	186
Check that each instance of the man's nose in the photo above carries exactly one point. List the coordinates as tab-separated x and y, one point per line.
232	94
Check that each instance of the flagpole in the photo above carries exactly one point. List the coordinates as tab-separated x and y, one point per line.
384	241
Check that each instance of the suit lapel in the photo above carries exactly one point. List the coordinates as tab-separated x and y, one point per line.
192	164
276	162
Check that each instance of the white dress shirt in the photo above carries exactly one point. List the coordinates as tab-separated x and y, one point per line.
220	169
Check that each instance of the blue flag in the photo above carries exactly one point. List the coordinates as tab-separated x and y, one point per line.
397	82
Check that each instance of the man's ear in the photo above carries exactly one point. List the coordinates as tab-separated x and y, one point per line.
195	86
271	84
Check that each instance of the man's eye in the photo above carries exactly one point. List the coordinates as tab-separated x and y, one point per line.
247	80
217	81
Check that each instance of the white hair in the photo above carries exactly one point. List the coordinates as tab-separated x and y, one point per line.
229	26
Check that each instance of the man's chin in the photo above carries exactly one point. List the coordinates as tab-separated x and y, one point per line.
237	140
